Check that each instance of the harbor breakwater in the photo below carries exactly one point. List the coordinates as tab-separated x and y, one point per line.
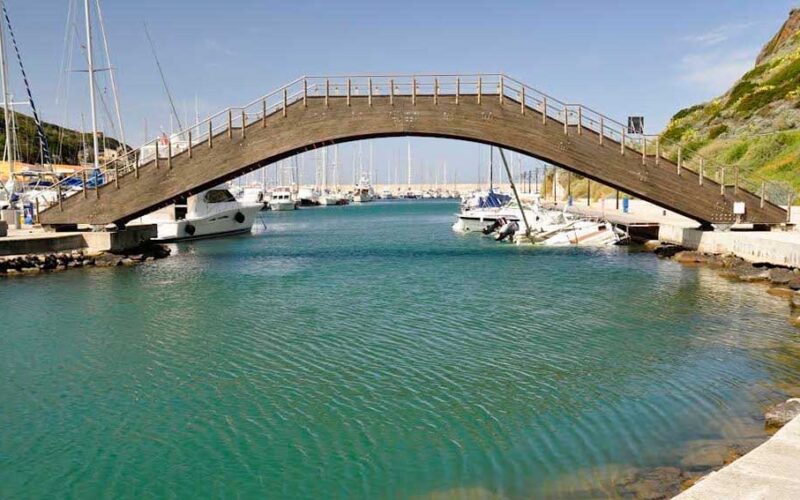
33	265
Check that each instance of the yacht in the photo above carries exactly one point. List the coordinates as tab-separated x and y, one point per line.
363	192
211	213
308	197
386	194
330	199
281	200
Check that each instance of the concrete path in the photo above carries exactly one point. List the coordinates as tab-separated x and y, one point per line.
771	471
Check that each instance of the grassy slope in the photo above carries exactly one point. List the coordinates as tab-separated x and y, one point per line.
755	124
65	144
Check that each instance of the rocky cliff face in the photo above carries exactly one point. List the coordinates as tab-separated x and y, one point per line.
756	124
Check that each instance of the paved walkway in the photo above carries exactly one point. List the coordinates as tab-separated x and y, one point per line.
771	471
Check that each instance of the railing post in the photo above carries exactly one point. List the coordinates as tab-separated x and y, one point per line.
348	91
658	149
602	130
522	100
244	122
458	88
190	143
285	101
480	88
414	91
622	143
263	113
83	181
305	93
501	89
580	120
230	123
327	91
435	91
702	170
680	159
544	110
722	182
789	203
169	154
116	175
60	200
566	120
157	153
210	134
644	149
736	179
763	192
391	92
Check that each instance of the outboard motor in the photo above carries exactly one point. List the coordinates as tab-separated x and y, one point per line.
497	224
508	230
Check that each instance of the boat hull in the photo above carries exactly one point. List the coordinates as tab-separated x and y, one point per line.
220	224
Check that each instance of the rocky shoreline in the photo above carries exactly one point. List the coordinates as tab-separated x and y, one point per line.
33	265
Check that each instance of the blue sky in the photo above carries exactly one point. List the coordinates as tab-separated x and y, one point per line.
619	57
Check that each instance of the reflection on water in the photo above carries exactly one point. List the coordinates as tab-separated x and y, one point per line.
370	352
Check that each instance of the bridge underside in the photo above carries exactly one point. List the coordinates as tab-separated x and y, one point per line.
487	120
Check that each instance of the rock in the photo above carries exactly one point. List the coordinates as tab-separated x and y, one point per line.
780	276
777	291
753	274
794	283
690	257
651	245
30	270
794	300
127	262
707	454
780	414
107	260
150	259
731	261
667	250
137	258
656	483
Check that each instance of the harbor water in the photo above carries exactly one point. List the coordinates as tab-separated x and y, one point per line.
370	352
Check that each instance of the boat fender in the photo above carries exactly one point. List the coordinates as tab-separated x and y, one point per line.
189	229
239	217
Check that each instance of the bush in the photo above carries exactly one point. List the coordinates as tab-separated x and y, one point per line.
716	131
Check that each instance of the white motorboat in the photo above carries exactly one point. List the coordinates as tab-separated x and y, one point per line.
280	200
331	199
209	214
386	194
308	197
363	192
584	233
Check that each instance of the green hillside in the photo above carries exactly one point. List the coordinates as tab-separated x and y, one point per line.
66	145
755	124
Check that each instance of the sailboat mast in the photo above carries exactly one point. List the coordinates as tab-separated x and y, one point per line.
409	164
6	97
111	72
491	168
95	146
324	169
336	166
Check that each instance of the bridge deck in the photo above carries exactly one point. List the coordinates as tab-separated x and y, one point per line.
317	121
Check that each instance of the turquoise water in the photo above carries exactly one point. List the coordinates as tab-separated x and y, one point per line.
369	352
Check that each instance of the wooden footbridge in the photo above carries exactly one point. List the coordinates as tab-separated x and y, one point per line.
311	112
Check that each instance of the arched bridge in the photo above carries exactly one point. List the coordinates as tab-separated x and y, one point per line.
493	109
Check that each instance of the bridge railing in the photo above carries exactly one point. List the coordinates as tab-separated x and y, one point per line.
575	118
